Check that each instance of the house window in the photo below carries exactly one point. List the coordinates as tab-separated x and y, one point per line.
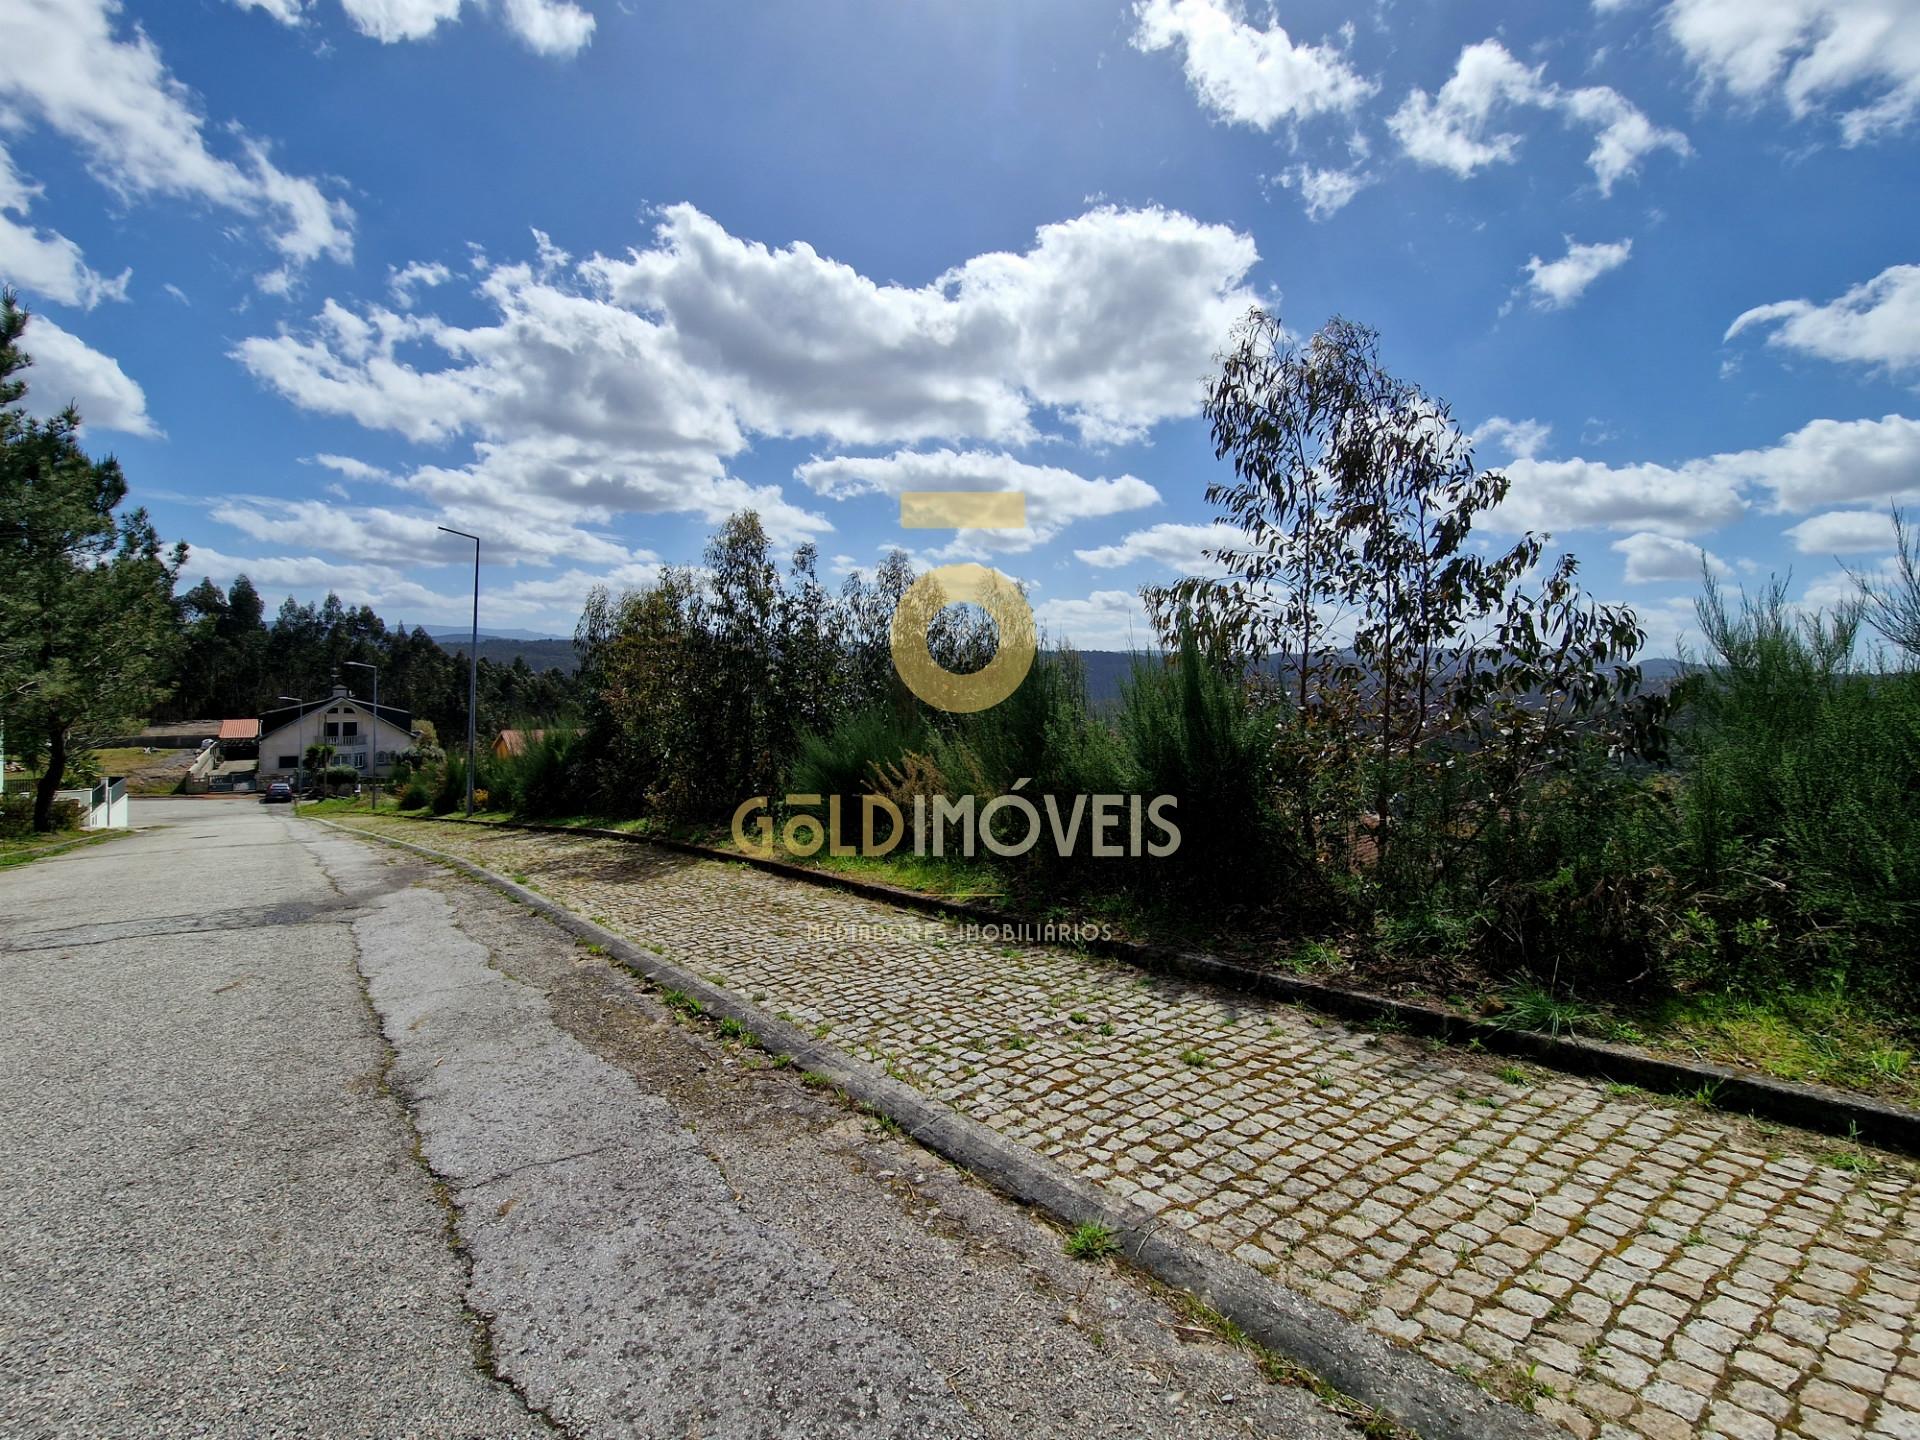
333	730
360	760
289	762
350	728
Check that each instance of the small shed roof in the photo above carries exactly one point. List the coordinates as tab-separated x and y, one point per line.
510	743
248	729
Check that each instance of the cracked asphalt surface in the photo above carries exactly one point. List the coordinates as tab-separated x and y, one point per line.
297	1137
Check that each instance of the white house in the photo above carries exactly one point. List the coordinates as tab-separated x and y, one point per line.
361	739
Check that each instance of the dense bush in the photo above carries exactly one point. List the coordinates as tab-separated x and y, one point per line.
16	814
451	793
1800	815
1195	729
544	780
1469	771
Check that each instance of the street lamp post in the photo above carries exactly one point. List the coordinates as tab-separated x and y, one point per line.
473	661
373	795
299	753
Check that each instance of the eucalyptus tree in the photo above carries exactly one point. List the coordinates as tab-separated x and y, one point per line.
1403	644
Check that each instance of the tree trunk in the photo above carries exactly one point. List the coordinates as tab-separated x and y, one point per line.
49	783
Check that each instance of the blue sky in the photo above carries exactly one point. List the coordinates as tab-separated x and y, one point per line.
584	276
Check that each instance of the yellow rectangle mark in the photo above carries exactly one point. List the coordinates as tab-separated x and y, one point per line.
963	510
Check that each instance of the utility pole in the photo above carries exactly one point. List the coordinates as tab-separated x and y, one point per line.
299	751
373	794
473	662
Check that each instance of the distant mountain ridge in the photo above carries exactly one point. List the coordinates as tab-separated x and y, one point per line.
445	634
541	652
1107	670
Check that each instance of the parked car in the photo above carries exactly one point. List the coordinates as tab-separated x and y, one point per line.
278	793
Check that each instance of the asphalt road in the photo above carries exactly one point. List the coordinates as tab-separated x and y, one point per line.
301	1138
211	1220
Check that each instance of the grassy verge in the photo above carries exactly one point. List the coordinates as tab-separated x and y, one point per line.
28	848
1820	1039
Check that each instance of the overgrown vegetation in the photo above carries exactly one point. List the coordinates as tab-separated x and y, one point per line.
1395	747
1403	743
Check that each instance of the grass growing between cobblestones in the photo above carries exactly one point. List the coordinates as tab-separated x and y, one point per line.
1821	1038
1812	1037
1651	1260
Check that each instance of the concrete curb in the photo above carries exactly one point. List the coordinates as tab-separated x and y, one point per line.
1810	1107
1407	1387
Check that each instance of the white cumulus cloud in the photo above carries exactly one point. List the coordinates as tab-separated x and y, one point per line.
1183	549
1858	59
1652	557
1875	323
1823	463
1103	620
1245	73
1521	439
77	68
1556	284
68	371
1055	497
1844	532
627	384
1325	192
1463	128
547	27
45	261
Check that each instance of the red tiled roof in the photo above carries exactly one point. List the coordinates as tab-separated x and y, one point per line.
239	729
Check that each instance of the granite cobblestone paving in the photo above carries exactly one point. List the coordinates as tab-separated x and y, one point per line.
1623	1264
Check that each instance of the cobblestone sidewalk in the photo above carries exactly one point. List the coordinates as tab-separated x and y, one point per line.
1624	1265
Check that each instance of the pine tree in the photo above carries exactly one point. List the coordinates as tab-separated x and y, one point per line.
87	624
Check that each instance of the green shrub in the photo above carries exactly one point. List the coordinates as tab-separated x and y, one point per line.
545	779
415	796
16	814
1194	728
1800	815
338	777
846	759
451	793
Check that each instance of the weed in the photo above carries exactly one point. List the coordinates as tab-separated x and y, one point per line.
1854	1159
1312	957
1196	1058
1888	1062
684	1003
1532	1007
1512	1075
1092	1241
